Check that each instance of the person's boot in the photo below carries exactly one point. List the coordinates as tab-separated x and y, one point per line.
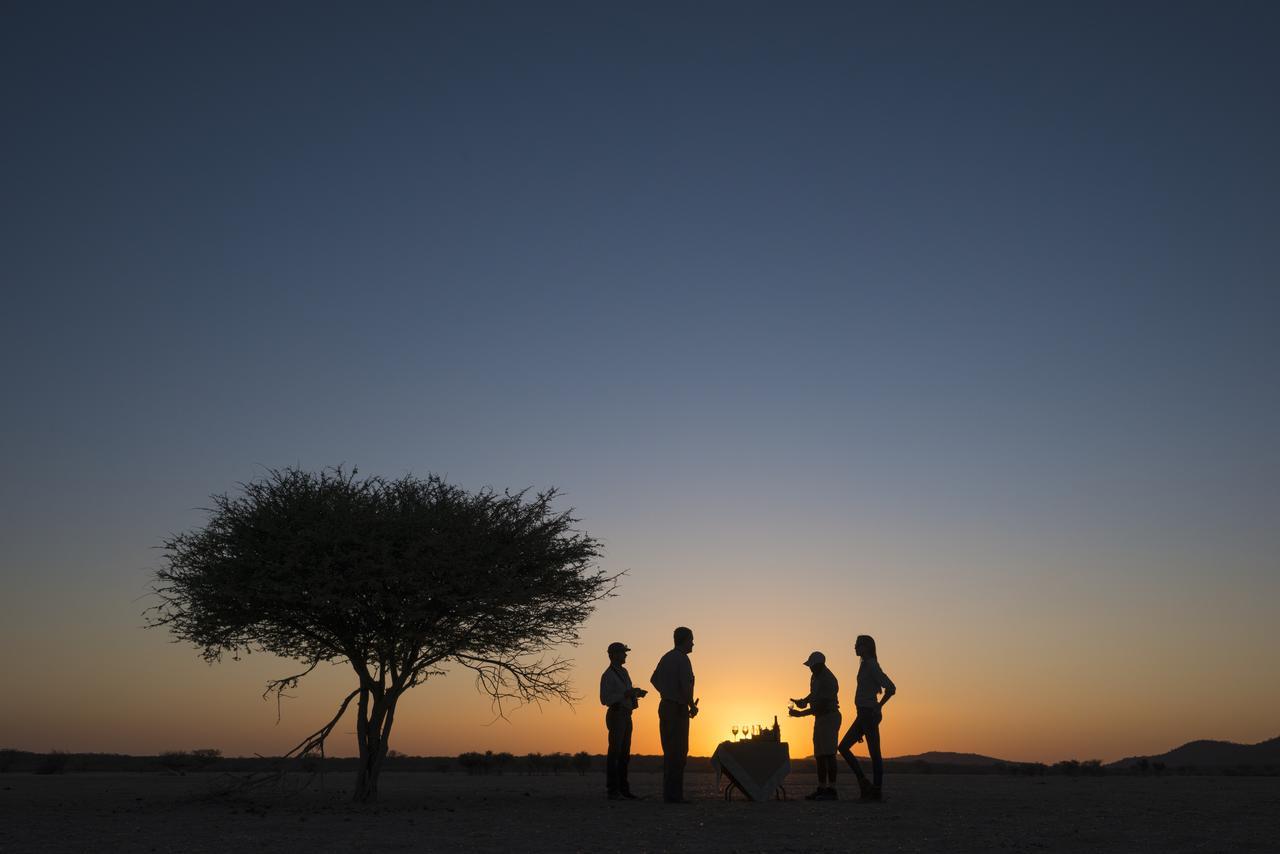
872	793
864	789
815	795
829	794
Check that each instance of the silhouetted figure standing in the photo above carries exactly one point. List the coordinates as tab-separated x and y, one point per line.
673	680
871	679
617	693
824	704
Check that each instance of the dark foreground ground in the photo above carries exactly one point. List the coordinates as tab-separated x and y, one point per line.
454	812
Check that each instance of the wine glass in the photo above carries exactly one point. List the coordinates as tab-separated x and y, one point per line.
734	730
746	730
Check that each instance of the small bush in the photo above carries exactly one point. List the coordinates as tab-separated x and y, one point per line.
473	762
54	762
181	761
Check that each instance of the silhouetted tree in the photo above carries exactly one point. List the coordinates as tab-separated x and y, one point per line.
501	761
533	763
397	578
582	762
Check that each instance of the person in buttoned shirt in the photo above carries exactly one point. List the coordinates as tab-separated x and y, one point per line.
617	693
871	681
823	704
673	680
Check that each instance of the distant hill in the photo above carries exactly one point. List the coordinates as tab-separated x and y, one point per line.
1212	754
942	757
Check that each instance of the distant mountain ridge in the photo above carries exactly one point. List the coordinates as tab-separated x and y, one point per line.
942	757
1206	753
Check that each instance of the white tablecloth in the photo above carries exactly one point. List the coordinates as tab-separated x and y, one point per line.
758	767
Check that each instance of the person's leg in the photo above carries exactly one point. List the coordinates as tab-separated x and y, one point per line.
624	756
682	751
851	738
614	726
673	750
664	735
817	761
873	748
826	742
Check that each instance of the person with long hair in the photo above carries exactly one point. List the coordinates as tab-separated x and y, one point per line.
868	704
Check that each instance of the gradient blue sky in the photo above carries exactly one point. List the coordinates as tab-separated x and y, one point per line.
932	315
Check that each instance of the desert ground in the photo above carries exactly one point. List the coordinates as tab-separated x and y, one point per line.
512	812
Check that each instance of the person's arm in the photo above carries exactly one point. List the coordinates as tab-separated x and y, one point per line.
633	692
655	680
686	688
887	684
612	690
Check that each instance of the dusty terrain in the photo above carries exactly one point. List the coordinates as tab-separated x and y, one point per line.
456	812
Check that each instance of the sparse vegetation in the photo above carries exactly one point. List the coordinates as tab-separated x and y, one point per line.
53	762
181	761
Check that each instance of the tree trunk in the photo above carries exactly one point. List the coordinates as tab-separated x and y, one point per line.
373	726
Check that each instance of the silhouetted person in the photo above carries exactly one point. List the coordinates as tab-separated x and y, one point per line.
617	693
824	704
871	680
673	680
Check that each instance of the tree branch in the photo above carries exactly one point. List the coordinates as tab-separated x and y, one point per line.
507	679
316	739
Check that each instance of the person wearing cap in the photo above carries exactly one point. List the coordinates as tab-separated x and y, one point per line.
824	705
617	693
673	679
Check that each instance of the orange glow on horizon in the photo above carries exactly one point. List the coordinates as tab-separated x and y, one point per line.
1019	684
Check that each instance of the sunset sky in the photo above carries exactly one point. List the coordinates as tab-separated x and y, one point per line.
954	324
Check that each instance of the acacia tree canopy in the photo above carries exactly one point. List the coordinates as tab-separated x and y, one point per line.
396	577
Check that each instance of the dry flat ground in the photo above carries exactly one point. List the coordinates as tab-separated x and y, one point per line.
454	812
